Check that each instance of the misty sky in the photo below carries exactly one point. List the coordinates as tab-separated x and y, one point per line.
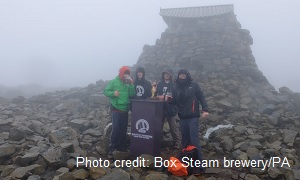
77	42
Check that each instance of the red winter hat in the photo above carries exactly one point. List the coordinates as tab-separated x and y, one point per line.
123	70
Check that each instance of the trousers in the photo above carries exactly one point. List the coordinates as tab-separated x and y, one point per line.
119	130
174	128
190	133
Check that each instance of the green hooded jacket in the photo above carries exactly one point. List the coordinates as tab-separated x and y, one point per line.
126	91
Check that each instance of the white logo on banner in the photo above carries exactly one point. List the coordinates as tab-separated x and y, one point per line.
142	126
165	90
140	90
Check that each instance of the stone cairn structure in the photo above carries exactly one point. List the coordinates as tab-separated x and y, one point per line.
209	42
41	137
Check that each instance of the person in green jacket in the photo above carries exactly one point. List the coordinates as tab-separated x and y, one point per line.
119	90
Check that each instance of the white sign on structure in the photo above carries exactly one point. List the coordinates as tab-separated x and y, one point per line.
142	126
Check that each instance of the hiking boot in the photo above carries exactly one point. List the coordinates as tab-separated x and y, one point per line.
110	155
123	149
177	146
197	171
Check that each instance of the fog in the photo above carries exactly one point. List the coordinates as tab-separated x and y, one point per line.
70	43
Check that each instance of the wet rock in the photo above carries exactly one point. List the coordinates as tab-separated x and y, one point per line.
218	134
38	140
55	157
93	132
271	153
286	91
157	176
256	137
274	172
80	124
8	113
213	170
100	150
252	151
256	144
16	134
274	136
22	172
289	136
121	155
71	163
8	170
238	154
5	125
275	145
27	159
61	170
268	109
18	100
34	177
297	141
116	174
240	129
68	147
251	177
224	103
41	161
65	176
39	127
61	107
97	172
149	160
135	175
296	173
242	146
257	171
227	144
98	99
64	135
80	174
7	150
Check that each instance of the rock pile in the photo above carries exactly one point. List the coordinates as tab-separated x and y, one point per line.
42	137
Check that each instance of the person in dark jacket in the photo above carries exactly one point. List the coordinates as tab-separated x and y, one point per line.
188	96
142	86
164	89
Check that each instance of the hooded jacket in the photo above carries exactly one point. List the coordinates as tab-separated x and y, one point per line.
126	91
163	88
142	86
188	96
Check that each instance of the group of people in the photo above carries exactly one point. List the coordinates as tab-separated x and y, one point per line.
186	98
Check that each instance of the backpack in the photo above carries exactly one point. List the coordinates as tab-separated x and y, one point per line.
178	169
